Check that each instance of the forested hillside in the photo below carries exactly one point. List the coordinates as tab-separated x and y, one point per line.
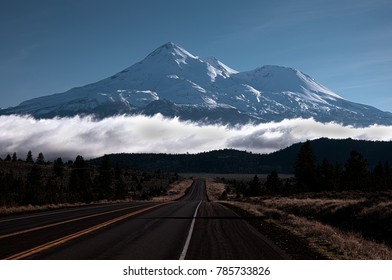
39	182
233	161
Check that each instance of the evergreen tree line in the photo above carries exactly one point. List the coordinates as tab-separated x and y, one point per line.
310	176
355	174
40	182
29	158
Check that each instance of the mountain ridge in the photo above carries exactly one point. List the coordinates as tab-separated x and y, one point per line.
204	90
229	161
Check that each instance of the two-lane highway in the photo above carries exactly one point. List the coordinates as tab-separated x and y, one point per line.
24	235
190	228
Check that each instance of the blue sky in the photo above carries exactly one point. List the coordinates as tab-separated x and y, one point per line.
51	46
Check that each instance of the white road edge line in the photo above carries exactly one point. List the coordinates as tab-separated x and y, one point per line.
188	239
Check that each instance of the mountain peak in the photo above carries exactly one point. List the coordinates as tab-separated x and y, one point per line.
170	45
203	89
171	50
174	60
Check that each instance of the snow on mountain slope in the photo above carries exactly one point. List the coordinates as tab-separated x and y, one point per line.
205	90
282	79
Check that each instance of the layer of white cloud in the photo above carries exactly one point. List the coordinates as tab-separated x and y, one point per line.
68	137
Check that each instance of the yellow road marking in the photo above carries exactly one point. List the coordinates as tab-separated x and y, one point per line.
67	238
65	222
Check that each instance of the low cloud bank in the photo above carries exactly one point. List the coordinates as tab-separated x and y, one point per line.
68	137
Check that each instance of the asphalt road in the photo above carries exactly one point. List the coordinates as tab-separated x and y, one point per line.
190	228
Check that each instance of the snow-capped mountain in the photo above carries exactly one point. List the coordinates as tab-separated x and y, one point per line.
174	82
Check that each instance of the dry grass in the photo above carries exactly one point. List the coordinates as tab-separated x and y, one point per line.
382	209
327	240
35	208
311	205
214	189
175	191
306	202
253	209
371	215
336	244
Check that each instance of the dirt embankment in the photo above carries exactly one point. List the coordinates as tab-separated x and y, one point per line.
175	191
214	189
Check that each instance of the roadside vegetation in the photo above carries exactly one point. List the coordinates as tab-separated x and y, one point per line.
344	212
339	228
35	184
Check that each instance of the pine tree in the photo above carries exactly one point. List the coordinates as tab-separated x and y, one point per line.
35	187
388	174
40	159
29	158
254	187
327	177
305	169
79	185
120	187
273	183
356	173
14	157
104	179
58	167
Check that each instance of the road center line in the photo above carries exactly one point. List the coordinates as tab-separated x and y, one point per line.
67	238
188	239
65	222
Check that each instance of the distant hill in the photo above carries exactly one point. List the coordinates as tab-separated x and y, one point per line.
234	161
